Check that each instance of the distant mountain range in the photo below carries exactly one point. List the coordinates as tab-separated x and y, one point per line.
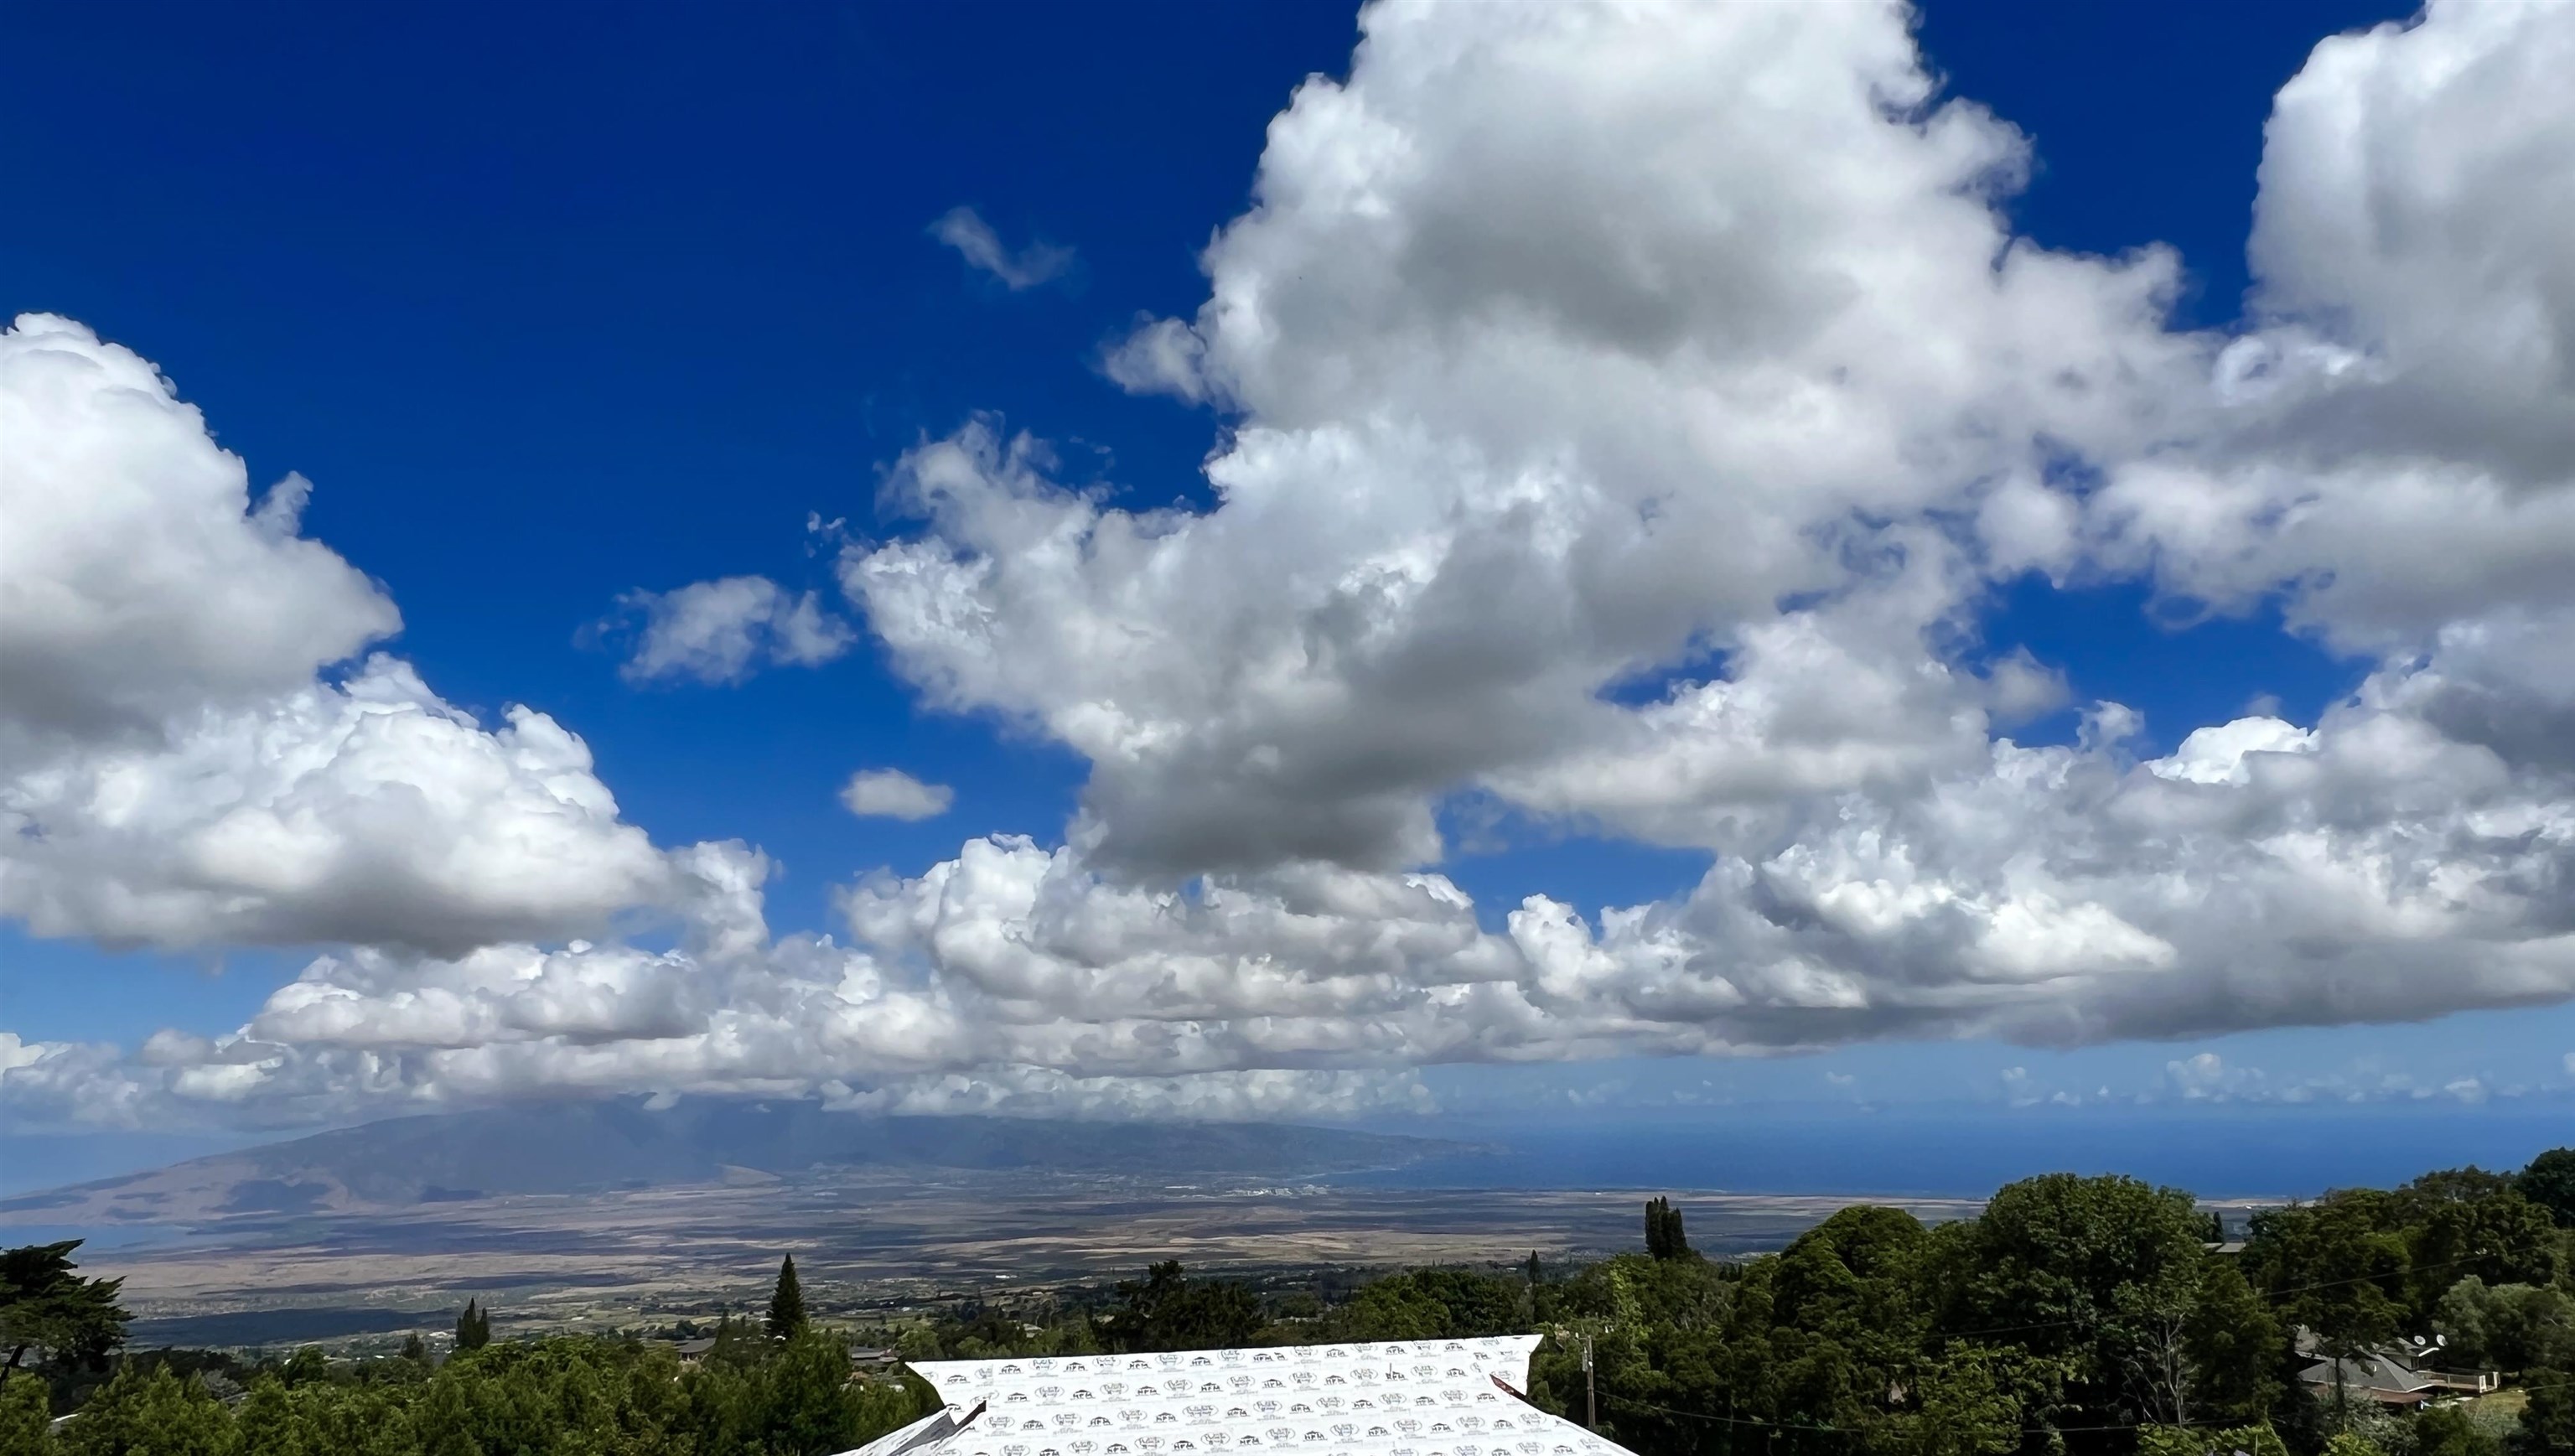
627	1144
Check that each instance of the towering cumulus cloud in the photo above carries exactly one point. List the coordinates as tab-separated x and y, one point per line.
1631	411
1577	347
195	752
1565	341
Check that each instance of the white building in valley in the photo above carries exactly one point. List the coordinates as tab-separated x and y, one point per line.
1398	1398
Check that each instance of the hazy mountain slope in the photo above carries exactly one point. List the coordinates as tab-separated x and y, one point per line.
578	1147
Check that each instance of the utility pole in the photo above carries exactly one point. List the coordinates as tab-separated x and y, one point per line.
1590	1390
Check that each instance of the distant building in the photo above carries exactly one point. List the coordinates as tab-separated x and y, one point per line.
863	1363
1424	1397
2411	1372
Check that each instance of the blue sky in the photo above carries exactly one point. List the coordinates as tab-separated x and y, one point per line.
558	307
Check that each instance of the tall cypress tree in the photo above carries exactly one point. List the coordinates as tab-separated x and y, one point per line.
1663	1236
473	1327
787	1304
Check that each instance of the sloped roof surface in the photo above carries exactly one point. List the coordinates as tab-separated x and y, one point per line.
2372	1371
1400	1398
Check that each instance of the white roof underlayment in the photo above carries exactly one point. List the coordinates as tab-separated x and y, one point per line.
1397	1398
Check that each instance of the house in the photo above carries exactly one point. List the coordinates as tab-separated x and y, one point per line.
2412	1372
1374	1399
692	1351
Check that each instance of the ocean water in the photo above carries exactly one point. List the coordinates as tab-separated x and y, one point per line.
2215	1151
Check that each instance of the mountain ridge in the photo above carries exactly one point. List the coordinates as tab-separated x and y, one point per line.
626	1145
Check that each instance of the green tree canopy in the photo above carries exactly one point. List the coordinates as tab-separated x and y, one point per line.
2549	1182
2507	1326
1167	1310
2102	1273
2235	1347
2500	1237
1433	1304
158	1413
2548	1422
25	1419
2338	1266
46	1305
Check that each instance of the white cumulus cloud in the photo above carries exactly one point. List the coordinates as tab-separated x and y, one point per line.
893	794
2394	443
139	580
1747	390
725	630
1528	408
192	754
1632	410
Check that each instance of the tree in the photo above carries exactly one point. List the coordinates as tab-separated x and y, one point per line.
2548	1422
1426	1305
1848	1322
1169	1311
306	1366
2253	1440
25	1420
2471	1184
2507	1326
2501	1237
1389	1309
1966	1405
2549	1182
736	1346
2103	1272
157	1413
473	1327
2335	1266
45	1306
786	1303
2447	1431
265	1423
414	1350
918	1342
805	1391
1663	1236
1537	1270
2233	1345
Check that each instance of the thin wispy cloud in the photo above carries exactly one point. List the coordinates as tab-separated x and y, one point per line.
965	230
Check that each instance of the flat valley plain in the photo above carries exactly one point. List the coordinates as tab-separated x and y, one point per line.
868	1245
